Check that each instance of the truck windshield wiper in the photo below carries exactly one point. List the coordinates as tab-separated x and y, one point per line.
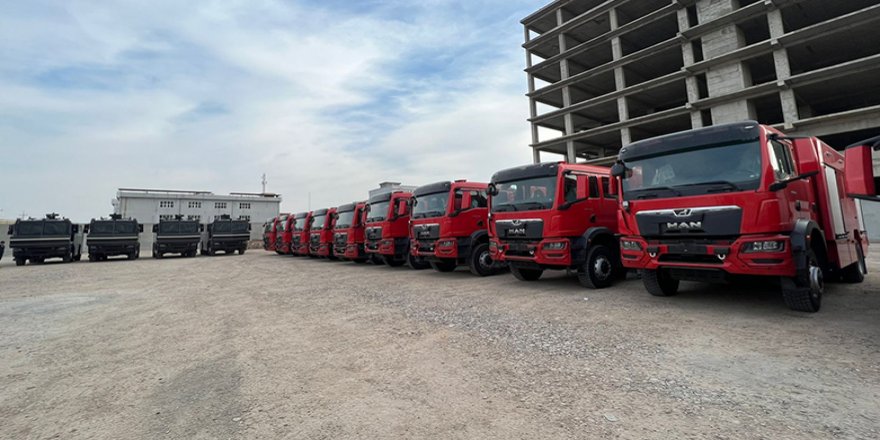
530	205
503	207
726	183
656	188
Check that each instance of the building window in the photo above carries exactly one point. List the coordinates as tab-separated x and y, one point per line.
244	217
166	217
166	203
194	217
192	205
219	205
244	206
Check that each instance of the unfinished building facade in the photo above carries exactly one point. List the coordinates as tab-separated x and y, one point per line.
605	73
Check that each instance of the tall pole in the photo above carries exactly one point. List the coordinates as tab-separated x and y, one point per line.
264	183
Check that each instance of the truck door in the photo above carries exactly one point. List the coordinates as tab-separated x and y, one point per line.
796	196
862	161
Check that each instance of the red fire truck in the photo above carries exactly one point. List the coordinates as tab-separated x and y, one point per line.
321	233
449	226
348	232
555	216
743	199
387	229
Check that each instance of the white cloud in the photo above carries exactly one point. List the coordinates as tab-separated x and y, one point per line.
99	97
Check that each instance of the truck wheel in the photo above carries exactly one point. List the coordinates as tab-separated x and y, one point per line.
416	263
526	274
444	265
658	283
392	261
855	273
805	295
67	258
91	258
20	261
597	272
241	251
376	259
480	261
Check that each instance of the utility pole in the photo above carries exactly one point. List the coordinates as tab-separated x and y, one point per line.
264	183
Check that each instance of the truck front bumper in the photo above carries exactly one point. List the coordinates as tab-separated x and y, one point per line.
549	253
727	257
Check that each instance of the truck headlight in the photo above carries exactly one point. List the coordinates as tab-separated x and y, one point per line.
764	246
629	245
555	246
446	243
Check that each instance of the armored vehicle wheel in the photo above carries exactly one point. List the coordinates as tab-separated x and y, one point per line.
241	251
526	274
393	261
159	255
20	261
480	261
658	283
38	260
92	257
416	263
805	295
855	273
77	257
597	272
444	265
67	258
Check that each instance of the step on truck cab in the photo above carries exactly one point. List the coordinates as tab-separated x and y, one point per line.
741	199
37	240
348	232
284	235
450	226
177	236
321	233
114	236
555	216
226	235
301	231
387	228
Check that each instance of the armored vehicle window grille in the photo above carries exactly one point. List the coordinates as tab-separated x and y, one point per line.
56	228
194	205
244	206
99	228
126	227
166	203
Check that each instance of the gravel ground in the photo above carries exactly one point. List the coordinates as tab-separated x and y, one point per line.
268	346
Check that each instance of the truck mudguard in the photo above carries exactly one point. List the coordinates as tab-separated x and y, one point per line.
800	244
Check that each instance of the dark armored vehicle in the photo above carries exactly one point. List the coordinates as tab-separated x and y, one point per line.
36	240
113	236
226	235
177	236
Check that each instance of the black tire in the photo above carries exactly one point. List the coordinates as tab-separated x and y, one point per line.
658	283
598	271
67	258
359	260
855	273
417	263
480	261
804	293
20	261
445	265
93	258
241	251
376	259
392	261
526	274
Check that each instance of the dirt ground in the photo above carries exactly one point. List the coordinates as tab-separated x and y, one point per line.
264	346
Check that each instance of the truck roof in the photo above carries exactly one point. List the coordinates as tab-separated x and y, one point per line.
683	140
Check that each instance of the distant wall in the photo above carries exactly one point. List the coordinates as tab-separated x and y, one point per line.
871	214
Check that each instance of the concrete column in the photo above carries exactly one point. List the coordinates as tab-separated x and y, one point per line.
690	82
730	77
570	153
783	69
533	105
619	78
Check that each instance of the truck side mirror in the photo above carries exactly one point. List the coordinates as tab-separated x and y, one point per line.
75	228
11	230
861	182
618	169
403	208
86	229
155	228
201	228
140	228
492	190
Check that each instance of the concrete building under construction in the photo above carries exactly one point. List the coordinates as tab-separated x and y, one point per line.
604	73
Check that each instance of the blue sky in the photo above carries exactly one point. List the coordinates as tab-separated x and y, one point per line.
327	97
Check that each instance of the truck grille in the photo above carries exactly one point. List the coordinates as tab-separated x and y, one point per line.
520	229
374	233
426	231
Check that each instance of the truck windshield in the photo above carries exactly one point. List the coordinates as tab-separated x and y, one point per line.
126	227
430	205
318	221
283	223
29	228
189	228
299	223
56	228
345	219
101	228
710	169
525	195
222	227
239	227
378	211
